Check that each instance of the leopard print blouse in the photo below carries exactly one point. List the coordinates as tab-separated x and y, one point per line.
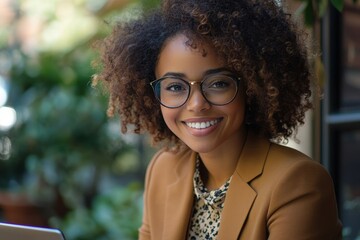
205	220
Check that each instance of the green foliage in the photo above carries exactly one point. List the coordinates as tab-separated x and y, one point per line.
313	10
64	141
338	4
66	154
148	4
50	69
114	215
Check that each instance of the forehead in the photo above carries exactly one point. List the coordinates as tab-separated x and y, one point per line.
191	59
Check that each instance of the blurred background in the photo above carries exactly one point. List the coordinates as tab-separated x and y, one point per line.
65	164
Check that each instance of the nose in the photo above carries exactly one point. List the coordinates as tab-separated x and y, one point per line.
196	101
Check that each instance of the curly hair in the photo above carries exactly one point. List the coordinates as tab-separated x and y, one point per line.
257	40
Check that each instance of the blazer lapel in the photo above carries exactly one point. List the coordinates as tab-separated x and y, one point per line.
240	195
179	199
238	202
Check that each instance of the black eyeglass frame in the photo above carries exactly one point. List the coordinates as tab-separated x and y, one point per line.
189	84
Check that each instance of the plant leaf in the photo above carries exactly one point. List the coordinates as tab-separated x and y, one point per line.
338	4
306	9
309	14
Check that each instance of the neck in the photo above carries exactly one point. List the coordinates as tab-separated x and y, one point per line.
219	165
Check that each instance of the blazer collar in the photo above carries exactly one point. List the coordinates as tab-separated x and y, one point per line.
240	195
253	157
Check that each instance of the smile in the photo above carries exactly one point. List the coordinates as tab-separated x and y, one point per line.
202	125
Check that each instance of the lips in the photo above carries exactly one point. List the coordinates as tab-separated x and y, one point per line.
202	124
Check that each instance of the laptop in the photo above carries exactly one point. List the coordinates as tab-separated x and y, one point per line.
21	232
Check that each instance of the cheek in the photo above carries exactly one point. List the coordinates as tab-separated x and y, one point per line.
170	117
237	110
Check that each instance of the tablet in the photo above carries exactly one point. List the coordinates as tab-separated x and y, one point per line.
21	232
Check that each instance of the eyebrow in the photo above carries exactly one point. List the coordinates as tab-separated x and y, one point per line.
207	72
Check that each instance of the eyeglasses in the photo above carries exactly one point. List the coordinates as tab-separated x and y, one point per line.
217	89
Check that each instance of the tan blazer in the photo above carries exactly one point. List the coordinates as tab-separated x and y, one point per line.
275	193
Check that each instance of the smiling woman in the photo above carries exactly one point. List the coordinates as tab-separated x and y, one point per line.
198	76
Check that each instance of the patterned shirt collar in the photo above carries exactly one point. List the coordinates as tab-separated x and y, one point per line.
215	198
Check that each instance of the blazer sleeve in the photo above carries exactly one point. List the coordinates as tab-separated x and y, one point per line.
303	205
144	230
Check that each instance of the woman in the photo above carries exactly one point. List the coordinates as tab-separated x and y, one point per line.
219	82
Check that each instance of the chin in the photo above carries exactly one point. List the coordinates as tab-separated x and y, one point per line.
201	148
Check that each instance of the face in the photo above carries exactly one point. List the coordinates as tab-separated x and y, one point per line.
202	126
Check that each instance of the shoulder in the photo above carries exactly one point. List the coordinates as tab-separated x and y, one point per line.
166	163
284	159
292	172
302	188
165	159
265	161
287	171
285	153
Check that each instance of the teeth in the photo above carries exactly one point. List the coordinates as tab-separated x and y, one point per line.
201	125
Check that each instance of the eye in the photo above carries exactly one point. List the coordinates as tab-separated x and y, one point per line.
174	85
219	82
175	88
